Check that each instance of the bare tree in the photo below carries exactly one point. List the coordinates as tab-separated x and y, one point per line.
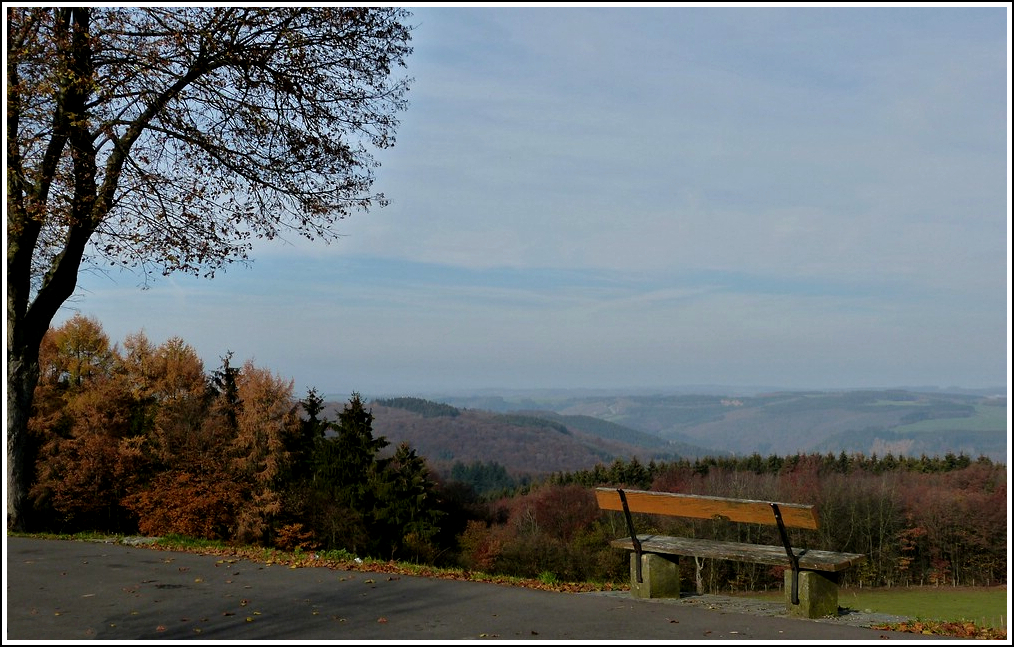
169	138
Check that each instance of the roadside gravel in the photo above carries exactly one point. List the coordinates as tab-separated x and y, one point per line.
738	604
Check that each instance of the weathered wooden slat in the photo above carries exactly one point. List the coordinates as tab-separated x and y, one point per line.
794	515
814	560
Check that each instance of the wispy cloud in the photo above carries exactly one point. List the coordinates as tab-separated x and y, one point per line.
653	196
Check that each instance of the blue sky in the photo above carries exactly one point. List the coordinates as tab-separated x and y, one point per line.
648	197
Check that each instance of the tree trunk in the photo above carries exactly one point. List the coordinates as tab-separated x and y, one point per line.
699	574
22	376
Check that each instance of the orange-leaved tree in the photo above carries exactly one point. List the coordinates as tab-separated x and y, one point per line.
267	421
83	443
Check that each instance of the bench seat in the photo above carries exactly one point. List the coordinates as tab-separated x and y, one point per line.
811	560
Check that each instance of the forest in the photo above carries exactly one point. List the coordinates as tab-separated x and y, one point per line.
138	438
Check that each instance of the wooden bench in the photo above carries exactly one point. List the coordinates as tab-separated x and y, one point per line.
811	578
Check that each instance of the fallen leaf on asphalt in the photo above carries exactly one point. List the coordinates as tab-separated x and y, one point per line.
381	619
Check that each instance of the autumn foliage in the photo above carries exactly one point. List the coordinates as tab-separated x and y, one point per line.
145	440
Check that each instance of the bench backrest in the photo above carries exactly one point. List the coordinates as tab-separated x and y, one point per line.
794	515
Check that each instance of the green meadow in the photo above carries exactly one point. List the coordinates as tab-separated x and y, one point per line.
986	606
985	418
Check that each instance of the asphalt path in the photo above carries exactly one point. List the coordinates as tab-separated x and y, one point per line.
60	590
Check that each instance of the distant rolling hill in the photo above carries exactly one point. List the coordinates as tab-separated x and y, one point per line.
524	444
868	421
536	436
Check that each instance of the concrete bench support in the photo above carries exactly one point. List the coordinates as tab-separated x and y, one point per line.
660	575
818	595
